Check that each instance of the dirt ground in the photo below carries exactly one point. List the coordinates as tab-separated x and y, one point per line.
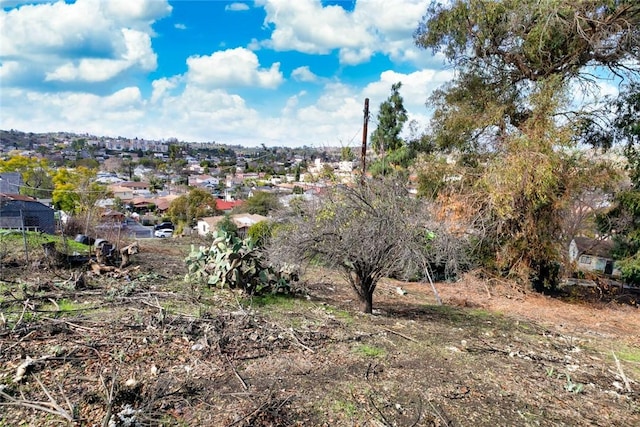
141	347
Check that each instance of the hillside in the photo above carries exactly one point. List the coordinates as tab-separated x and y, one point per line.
139	345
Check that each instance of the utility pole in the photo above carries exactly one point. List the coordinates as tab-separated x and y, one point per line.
364	139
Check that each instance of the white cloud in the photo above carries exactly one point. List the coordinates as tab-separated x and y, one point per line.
75	112
162	86
232	68
236	7
180	26
136	13
138	52
89	40
9	68
306	26
111	41
384	26
304	74
416	88
193	112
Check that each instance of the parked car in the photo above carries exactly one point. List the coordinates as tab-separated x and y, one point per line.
163	233
167	225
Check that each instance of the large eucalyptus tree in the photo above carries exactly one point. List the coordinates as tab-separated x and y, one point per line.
511	113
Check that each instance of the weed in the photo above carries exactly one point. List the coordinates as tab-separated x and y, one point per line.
66	306
349	409
572	387
482	314
370	351
286	302
629	354
343	315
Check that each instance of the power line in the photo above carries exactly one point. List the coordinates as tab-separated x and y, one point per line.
51	190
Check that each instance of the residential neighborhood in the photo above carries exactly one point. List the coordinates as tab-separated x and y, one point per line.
140	179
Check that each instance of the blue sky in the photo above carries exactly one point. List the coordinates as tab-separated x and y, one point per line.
273	72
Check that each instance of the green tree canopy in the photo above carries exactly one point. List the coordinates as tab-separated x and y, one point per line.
35	172
391	118
261	203
196	204
501	49
532	40
622	220
76	191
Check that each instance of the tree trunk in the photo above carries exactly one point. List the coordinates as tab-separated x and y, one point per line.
364	288
366	295
367	303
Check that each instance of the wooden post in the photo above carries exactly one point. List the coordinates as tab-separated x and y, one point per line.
364	139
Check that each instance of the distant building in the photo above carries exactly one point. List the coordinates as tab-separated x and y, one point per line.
242	221
20	212
591	255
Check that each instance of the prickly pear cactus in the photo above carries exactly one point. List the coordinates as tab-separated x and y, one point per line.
238	264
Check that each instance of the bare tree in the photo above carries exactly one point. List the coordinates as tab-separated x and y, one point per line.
369	231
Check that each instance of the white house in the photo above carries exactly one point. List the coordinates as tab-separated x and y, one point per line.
242	221
593	255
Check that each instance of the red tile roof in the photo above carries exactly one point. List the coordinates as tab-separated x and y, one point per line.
224	205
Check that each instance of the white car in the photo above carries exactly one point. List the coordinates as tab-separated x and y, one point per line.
166	232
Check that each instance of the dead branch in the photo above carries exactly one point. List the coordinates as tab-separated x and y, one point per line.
621	372
235	371
406	337
297	340
18	342
109	396
24	308
51	407
444	420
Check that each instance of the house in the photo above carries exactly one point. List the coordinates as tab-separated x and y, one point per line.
242	221
593	255
227	205
112	216
123	193
143	204
203	181
163	202
24	212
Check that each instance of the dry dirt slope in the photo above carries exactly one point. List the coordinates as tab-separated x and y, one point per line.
142	347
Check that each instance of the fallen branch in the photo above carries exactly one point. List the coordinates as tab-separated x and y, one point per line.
73	325
51	407
109	393
293	334
444	420
433	286
235	371
24	308
406	337
17	342
621	372
24	367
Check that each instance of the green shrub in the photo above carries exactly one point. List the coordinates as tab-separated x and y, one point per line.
260	232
